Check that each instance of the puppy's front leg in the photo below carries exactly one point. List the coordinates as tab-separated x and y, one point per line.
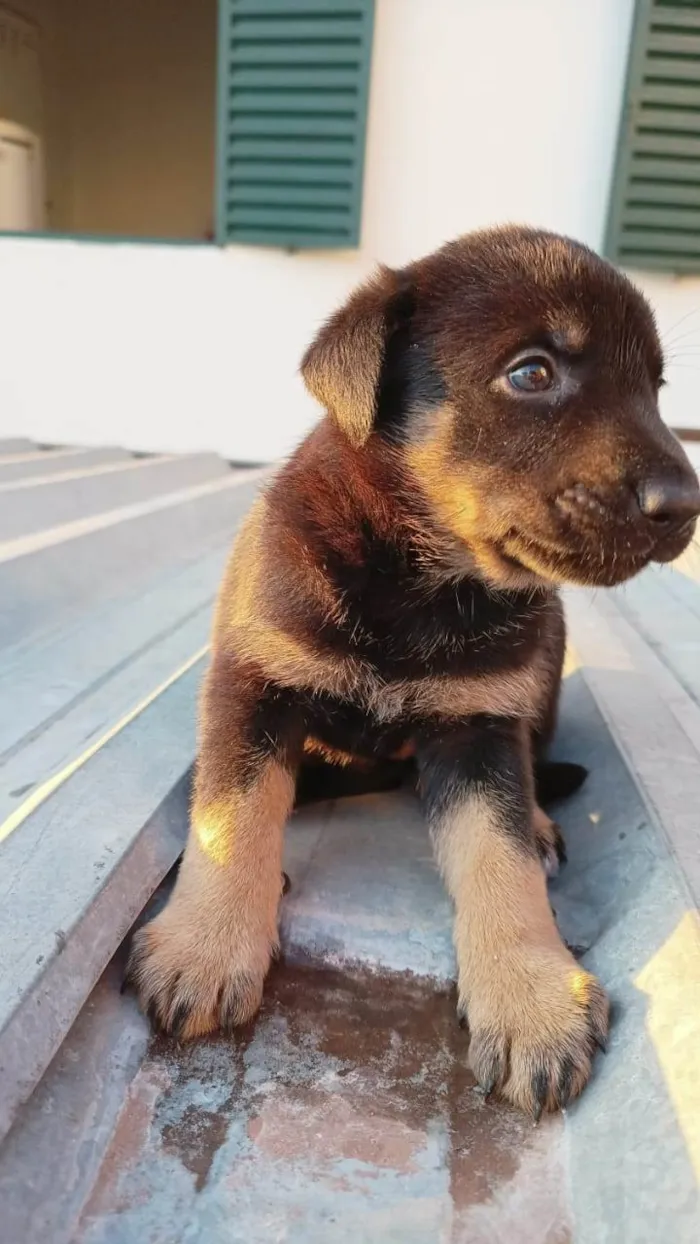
200	965
535	1016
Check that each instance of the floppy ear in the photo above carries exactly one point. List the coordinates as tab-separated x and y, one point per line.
342	366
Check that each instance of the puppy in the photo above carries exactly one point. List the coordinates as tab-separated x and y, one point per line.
491	432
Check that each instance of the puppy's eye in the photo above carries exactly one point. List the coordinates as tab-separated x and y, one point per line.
531	376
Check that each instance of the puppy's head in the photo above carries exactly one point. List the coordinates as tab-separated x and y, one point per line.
516	376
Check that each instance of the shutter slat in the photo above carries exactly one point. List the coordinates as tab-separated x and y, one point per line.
675	43
662	241
652	118
661	143
669	92
641	190
303	78
675	16
654	217
305	103
288	55
340	130
656	261
293	85
663	168
257	215
644	212
292	172
296	238
673	69
253	30
282	8
312	149
257	191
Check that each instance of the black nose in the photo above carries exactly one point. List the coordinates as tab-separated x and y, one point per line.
669	500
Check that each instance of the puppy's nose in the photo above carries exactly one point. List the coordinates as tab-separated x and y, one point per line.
669	500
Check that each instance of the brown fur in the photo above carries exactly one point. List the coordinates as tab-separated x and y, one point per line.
392	600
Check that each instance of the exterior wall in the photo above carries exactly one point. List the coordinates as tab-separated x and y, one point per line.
479	113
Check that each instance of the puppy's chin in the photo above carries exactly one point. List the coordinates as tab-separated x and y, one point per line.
504	572
521	565
528	562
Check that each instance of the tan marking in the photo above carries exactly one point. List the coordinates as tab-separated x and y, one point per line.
520	987
462	499
242	623
405	752
572	331
457	506
332	755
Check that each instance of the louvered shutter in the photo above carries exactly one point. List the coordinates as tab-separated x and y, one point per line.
655	207
293	86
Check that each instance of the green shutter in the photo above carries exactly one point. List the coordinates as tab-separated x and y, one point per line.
293	86
655	208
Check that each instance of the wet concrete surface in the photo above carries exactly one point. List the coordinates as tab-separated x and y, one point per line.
345	1112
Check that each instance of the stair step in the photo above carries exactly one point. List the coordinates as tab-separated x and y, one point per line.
11	445
106	633
34	462
42	502
43	587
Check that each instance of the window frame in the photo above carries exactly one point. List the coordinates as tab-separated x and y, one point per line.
220	239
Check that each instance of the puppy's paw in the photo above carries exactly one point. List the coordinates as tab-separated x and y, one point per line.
550	843
535	1023
193	978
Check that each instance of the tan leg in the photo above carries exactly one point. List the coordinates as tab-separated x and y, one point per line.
535	1015
201	963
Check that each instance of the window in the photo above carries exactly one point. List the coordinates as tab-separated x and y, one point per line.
293	85
655	207
134	123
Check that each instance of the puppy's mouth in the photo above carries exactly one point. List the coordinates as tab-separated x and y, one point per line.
605	561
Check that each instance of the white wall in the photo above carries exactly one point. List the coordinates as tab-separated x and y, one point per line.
480	112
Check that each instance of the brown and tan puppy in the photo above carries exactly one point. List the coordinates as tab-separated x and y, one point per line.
491	431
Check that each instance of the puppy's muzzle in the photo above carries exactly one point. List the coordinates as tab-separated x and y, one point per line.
658	509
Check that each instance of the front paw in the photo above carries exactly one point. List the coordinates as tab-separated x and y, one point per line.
535	1021
193	977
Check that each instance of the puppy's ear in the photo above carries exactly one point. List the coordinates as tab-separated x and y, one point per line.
342	366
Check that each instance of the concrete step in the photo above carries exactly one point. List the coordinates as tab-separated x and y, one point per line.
33	462
11	445
110	617
50	577
346	1111
45	501
44	678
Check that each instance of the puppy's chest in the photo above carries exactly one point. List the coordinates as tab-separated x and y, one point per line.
456	631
